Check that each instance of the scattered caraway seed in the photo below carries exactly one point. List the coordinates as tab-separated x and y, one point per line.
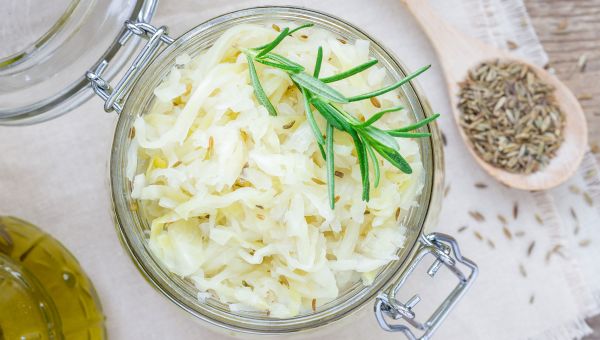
574	189
507	233
582	62
447	190
491	244
522	270
510	116
573	214
502	219
444	139
289	125
318	181
463	228
555	250
480	185
339	174
585	96
314	305
477	216
516	210
211	146
276	28
524	22
397	213
584	243
531	299
562	25
595	148
512	45
375	102
539	220
588	199
478	235
530	248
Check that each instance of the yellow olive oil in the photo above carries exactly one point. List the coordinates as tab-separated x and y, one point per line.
44	293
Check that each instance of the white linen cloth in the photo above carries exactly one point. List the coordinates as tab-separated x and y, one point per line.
55	175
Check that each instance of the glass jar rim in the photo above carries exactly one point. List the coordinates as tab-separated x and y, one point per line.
130	226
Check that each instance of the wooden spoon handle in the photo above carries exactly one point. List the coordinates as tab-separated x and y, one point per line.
457	52
432	24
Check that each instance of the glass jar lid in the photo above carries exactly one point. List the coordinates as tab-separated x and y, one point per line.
46	45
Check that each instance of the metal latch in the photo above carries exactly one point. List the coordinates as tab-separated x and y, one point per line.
446	253
113	97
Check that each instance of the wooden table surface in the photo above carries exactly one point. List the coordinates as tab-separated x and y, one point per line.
570	33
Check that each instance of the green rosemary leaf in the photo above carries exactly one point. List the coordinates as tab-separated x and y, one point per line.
270	46
300	27
391	87
376	171
377	136
326	112
349	72
294	69
345	116
378	116
318	87
363	163
260	94
394	158
311	118
318	63
418	124
330	167
339	116
408	134
322	150
281	59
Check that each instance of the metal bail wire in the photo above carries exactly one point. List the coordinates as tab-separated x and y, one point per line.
114	97
446	253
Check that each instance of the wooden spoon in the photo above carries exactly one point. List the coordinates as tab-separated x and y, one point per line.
459	54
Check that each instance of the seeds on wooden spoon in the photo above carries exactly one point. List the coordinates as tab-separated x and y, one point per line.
510	116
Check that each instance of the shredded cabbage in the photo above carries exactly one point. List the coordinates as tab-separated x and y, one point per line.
237	199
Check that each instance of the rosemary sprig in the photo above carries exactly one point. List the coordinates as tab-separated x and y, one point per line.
258	89
330	166
367	138
349	72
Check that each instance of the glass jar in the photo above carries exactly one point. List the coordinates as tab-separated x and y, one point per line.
133	228
133	94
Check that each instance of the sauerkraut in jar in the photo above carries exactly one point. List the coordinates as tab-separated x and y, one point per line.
237	199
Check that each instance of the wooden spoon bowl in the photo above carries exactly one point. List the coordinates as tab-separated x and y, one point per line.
459	54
